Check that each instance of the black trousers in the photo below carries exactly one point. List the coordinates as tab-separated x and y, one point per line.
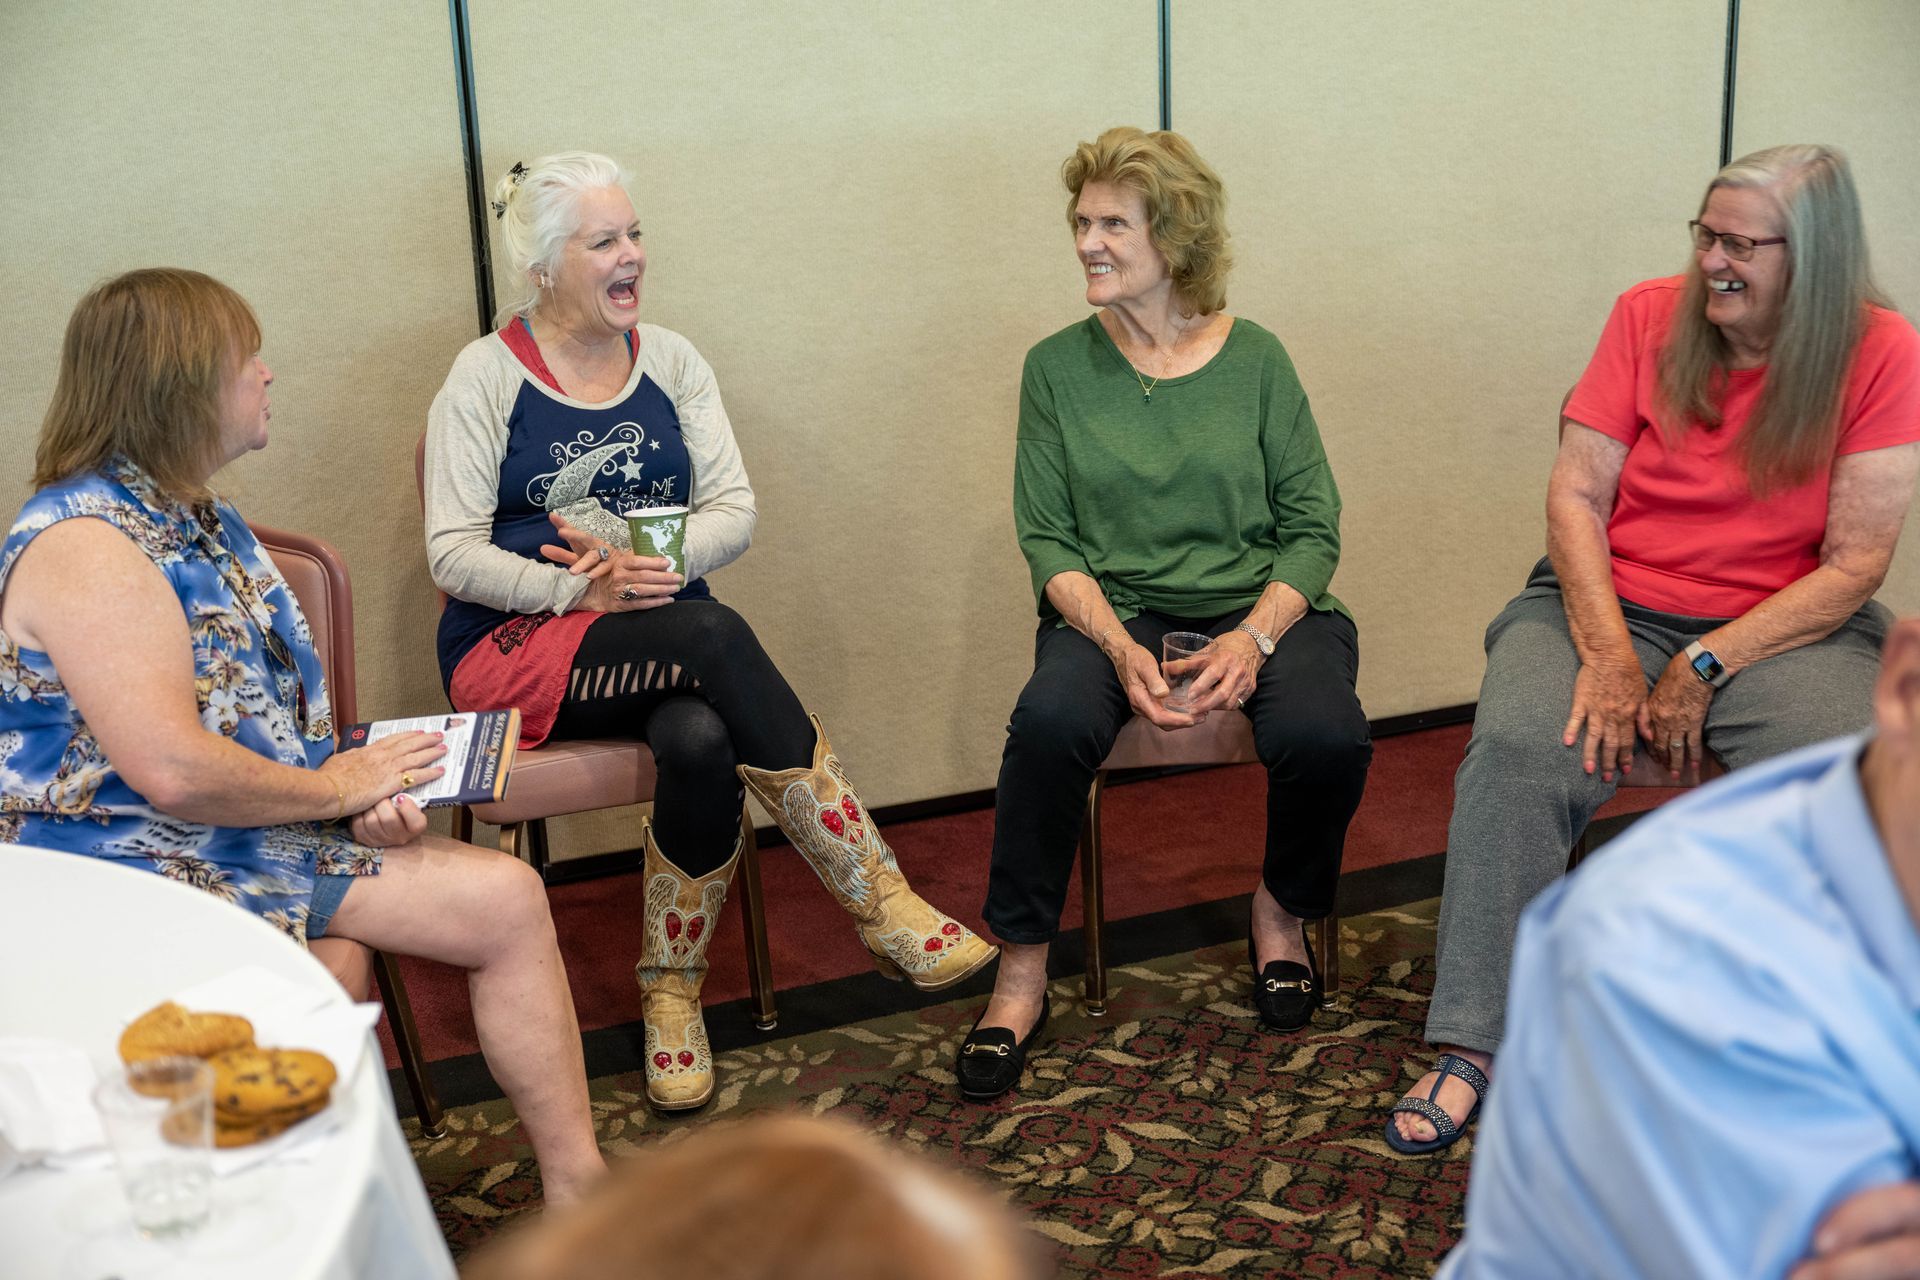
1308	729
690	680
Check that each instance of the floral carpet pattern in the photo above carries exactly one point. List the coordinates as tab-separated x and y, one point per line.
1174	1137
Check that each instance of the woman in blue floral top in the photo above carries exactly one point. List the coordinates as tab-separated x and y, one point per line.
162	705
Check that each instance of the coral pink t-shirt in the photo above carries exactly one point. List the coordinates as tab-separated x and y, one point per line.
1687	534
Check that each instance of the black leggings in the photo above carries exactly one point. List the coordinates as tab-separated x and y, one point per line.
691	681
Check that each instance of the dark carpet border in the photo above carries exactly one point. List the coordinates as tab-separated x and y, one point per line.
465	1081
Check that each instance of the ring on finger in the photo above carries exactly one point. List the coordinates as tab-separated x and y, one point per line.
628	593
406	780
604	553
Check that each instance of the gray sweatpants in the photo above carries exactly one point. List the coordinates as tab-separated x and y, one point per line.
1520	798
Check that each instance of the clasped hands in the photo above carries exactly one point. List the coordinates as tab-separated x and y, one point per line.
617	580
1612	703
1224	675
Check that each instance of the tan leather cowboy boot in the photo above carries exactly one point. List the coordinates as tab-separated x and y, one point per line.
823	817
682	913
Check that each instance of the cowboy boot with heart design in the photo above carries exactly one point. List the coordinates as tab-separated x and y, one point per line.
820	813
682	911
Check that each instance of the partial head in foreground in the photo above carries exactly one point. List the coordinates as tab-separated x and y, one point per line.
1181	207
1890	772
568	227
159	365
775	1198
1779	277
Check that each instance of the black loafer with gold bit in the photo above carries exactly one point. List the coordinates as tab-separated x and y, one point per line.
991	1060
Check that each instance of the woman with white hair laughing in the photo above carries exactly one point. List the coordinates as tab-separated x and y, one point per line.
546	433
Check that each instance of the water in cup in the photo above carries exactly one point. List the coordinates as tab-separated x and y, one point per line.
1179	667
169	1197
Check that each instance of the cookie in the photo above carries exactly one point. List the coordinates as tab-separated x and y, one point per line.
246	1133
167	1031
259	1082
299	1111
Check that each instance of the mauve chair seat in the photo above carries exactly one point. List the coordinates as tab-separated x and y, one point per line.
1224	737
572	777
1648	773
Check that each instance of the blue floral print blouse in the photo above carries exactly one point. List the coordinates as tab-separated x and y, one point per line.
257	679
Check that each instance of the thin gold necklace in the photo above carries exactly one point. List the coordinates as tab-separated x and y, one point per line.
1146	388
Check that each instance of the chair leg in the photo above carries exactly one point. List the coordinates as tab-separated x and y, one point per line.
406	1038
537	846
1581	848
1094	900
463	824
1327	942
753	920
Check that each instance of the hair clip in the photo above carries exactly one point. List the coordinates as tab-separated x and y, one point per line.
518	172
499	208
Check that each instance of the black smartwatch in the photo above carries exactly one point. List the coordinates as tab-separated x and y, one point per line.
1706	666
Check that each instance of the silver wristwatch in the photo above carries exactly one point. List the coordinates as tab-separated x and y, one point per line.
1260	639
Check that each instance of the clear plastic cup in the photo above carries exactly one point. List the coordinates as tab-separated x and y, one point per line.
1178	650
158	1116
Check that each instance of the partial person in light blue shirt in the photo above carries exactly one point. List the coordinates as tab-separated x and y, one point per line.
1714	1031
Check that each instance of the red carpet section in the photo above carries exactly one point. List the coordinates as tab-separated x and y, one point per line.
1171	842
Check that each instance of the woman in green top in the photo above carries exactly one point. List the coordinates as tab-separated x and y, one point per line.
1169	477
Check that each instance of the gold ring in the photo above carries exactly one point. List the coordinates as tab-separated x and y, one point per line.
406	780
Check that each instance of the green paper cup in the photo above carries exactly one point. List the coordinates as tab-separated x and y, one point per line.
660	531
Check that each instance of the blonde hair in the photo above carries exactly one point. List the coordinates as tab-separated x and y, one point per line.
1792	431
1186	205
143	370
775	1198
538	208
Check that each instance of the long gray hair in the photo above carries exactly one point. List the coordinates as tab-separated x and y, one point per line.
1791	434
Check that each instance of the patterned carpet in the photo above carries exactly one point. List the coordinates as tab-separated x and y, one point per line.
1174	1137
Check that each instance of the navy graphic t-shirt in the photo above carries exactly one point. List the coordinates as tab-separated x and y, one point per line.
590	463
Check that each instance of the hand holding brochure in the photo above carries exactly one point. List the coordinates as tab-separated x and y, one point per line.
480	747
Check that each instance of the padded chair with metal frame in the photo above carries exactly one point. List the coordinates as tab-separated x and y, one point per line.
1225	737
318	578
583	775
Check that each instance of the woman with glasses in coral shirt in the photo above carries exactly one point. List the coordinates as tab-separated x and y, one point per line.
1734	468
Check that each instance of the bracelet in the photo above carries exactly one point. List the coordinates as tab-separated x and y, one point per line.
340	802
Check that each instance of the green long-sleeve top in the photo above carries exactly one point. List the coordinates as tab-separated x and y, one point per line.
1186	504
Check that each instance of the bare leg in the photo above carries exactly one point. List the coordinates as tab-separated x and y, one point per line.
487	913
1455	1098
1018	987
1276	933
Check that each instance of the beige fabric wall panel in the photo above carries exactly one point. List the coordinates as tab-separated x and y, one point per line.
308	155
1847	73
1434	206
853	210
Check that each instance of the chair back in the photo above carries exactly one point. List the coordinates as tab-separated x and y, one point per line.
420	493
318	579
317	576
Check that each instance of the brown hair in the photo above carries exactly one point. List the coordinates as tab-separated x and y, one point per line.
1796	422
775	1198
146	360
1186	205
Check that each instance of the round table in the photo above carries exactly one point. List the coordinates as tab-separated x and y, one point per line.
82	943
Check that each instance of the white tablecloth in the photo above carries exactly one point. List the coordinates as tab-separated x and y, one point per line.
84	945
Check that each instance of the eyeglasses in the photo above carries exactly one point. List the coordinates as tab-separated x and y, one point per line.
1739	248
